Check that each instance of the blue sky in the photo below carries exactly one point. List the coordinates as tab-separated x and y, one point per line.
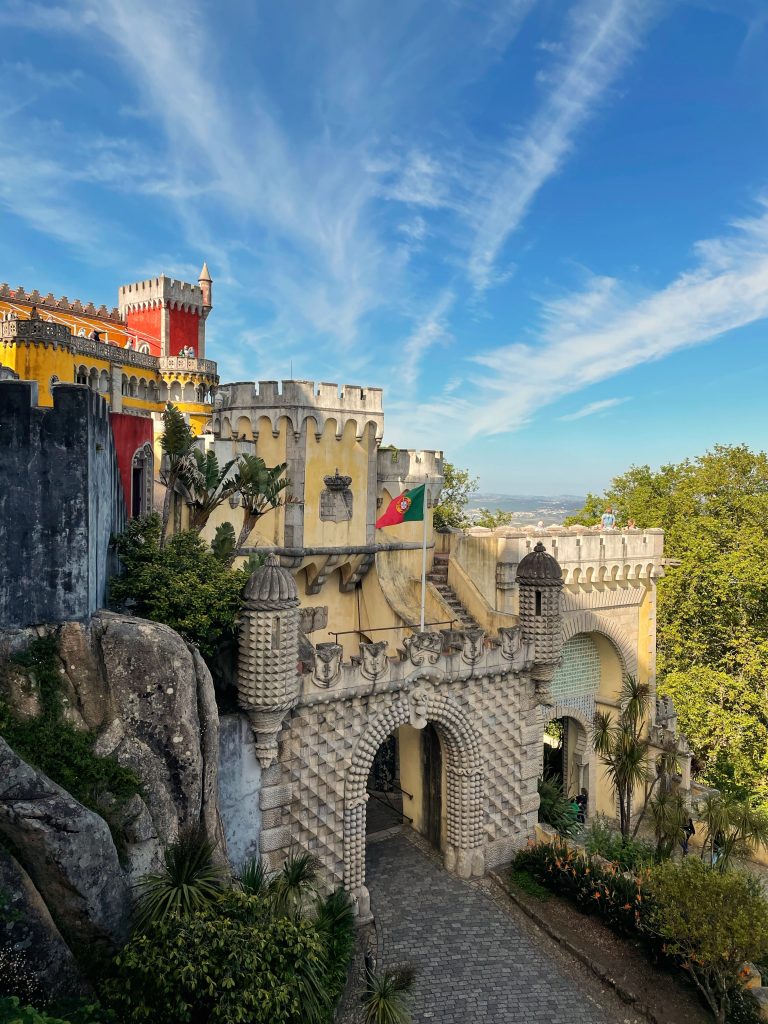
542	227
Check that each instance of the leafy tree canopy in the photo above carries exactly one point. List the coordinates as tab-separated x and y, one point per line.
458	485
493	519
182	584
713	607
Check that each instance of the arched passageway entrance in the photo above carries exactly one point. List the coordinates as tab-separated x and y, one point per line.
567	754
438	754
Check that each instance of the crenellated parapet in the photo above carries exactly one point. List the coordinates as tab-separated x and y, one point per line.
299	401
586	555
400	468
62	305
161	292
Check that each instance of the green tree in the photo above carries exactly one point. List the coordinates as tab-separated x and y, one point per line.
713	922
731	827
182	584
491	520
623	746
207	485
177	443
713	606
458	485
260	488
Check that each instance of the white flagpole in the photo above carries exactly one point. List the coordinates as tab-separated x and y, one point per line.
424	558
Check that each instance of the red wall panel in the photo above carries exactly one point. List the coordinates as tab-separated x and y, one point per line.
183	328
130	433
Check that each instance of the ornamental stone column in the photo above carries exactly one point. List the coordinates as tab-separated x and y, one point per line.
268	654
540	582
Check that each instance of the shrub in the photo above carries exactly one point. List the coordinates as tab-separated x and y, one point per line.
226	964
12	1011
55	747
182	584
522	879
555	809
629	854
385	997
615	896
189	881
712	921
335	921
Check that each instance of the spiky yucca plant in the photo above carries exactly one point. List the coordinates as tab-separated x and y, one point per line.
385	1000
294	884
189	881
255	878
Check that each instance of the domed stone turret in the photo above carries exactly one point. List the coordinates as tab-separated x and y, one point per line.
268	654
540	581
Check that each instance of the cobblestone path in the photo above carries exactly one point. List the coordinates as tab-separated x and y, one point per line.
474	963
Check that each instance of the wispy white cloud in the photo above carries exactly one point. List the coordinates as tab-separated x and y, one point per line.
606	329
603	36
594	407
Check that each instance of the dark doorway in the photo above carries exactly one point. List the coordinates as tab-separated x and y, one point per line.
433	773
385	798
138	491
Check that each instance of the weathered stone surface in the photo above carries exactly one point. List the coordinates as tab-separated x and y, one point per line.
28	928
67	850
86	695
162	721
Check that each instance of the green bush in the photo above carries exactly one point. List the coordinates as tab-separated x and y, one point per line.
228	964
712	922
182	584
335	921
190	880
385	999
522	879
615	896
555	809
13	1012
55	747
629	854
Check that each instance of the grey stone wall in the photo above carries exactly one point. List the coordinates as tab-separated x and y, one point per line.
239	789
60	500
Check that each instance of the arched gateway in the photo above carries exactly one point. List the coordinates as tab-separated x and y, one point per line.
317	733
464	784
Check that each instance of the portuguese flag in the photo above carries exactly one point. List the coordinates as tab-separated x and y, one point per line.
407	507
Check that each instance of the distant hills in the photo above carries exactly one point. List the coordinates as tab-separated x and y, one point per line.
528	509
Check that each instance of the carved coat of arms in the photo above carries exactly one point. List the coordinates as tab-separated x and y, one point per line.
327	663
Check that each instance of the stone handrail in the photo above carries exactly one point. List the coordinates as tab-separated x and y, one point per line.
115	354
171	363
35	330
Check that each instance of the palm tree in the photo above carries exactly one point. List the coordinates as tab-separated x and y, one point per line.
260	490
177	442
207	486
624	751
385	997
730	826
669	813
294	884
189	881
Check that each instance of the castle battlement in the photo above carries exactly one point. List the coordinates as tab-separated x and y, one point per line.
399	468
299	401
160	291
62	305
586	554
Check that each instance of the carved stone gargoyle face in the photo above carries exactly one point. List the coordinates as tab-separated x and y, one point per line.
327	663
424	648
473	645
514	649
373	659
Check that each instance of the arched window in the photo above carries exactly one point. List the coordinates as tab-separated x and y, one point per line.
104	382
142	389
141	481
125	387
93	379
82	375
134	387
175	393
189	391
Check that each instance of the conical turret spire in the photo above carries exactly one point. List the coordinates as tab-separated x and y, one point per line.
205	274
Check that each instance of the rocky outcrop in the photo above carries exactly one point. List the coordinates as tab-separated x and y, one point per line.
68	852
161	720
27	927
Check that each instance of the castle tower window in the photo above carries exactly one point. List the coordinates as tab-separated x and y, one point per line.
538	602
141	481
82	375
276	633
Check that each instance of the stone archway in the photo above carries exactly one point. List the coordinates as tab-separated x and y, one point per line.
588	622
464	786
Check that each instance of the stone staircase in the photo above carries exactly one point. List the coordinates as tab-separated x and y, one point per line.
438	577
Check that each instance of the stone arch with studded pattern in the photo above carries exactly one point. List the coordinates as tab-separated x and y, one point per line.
464	785
588	622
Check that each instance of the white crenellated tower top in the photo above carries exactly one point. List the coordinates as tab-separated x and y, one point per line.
162	291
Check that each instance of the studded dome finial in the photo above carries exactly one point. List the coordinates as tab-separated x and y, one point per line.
271	585
539	567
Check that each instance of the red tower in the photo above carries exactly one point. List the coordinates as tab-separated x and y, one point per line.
168	317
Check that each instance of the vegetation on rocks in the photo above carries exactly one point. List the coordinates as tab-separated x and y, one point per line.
182	583
51	744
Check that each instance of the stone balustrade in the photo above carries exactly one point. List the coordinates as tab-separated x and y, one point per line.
175	364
